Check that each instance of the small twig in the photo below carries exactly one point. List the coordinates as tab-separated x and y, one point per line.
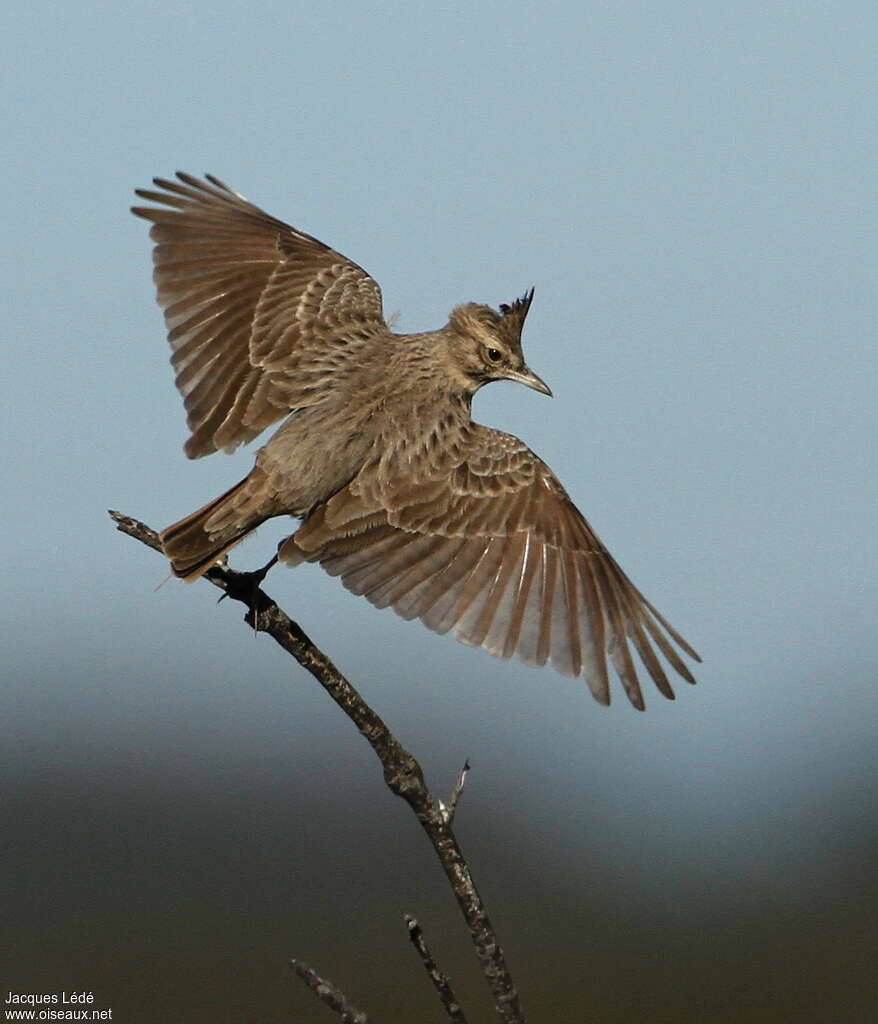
439	978
402	773
450	807
332	996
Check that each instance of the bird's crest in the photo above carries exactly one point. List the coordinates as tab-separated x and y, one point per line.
513	315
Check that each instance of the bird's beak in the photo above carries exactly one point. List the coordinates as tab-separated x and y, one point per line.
530	380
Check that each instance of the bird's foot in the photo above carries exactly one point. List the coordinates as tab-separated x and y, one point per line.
244	587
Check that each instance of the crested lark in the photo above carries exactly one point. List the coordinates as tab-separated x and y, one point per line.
403	496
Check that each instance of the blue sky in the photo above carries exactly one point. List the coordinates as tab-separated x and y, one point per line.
692	192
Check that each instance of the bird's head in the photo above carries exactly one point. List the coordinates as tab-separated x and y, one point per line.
485	345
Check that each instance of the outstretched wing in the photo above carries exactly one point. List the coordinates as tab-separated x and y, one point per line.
259	315
494	551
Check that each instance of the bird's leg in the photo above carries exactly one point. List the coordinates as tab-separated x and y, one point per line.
260	574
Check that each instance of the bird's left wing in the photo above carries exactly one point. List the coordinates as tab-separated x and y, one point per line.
492	549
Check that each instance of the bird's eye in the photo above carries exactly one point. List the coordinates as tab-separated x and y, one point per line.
495	355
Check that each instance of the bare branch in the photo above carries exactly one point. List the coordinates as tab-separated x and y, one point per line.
439	978
402	773
139	531
332	996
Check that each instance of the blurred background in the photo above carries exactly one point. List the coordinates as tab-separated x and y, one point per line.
692	191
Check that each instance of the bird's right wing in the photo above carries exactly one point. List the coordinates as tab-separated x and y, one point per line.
259	315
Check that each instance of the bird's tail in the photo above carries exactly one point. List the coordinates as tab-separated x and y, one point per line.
197	542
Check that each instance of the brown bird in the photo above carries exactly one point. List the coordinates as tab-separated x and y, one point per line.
403	496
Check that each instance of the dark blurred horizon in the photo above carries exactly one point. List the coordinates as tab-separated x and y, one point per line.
185	902
213	833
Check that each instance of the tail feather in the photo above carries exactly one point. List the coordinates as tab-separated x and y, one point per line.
200	540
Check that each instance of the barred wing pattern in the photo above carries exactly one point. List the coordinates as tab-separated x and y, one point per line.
497	554
259	315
